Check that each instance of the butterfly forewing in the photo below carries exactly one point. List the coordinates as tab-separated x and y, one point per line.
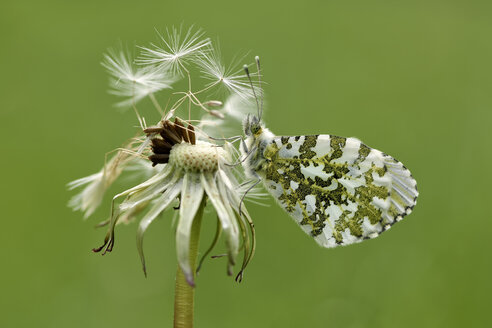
339	190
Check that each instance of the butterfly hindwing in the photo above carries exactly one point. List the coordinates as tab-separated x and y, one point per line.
337	189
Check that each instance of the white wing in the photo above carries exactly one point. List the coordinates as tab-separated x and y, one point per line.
339	190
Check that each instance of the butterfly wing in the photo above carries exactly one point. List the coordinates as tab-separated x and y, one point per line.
337	189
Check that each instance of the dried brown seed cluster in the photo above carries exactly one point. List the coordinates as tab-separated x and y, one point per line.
172	133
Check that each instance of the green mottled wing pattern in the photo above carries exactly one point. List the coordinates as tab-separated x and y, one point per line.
337	189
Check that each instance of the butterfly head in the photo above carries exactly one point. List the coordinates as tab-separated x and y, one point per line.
252	126
252	123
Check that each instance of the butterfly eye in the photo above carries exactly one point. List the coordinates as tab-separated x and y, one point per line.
255	128
251	125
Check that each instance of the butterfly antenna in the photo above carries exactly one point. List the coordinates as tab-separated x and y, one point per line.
246	69
257	60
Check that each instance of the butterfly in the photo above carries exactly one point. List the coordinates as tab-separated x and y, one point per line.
339	190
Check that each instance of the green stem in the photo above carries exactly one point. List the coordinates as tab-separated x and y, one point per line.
184	295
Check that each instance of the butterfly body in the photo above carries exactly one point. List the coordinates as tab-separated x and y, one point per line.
337	189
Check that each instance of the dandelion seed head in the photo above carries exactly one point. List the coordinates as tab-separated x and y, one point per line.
202	157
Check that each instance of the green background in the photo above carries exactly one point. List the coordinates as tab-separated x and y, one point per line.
412	78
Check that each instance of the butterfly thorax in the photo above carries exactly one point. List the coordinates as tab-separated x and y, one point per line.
256	148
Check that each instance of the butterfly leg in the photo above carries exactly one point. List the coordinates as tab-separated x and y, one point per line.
234	139
240	161
243	146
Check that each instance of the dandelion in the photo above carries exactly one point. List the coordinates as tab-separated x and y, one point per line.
193	171
178	163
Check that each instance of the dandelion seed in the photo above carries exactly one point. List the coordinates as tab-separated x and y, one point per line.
95	185
91	197
235	81
175	50
134	83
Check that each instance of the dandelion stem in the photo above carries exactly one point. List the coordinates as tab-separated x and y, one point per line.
184	294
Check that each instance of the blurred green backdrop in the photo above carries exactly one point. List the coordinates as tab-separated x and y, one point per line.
412	78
